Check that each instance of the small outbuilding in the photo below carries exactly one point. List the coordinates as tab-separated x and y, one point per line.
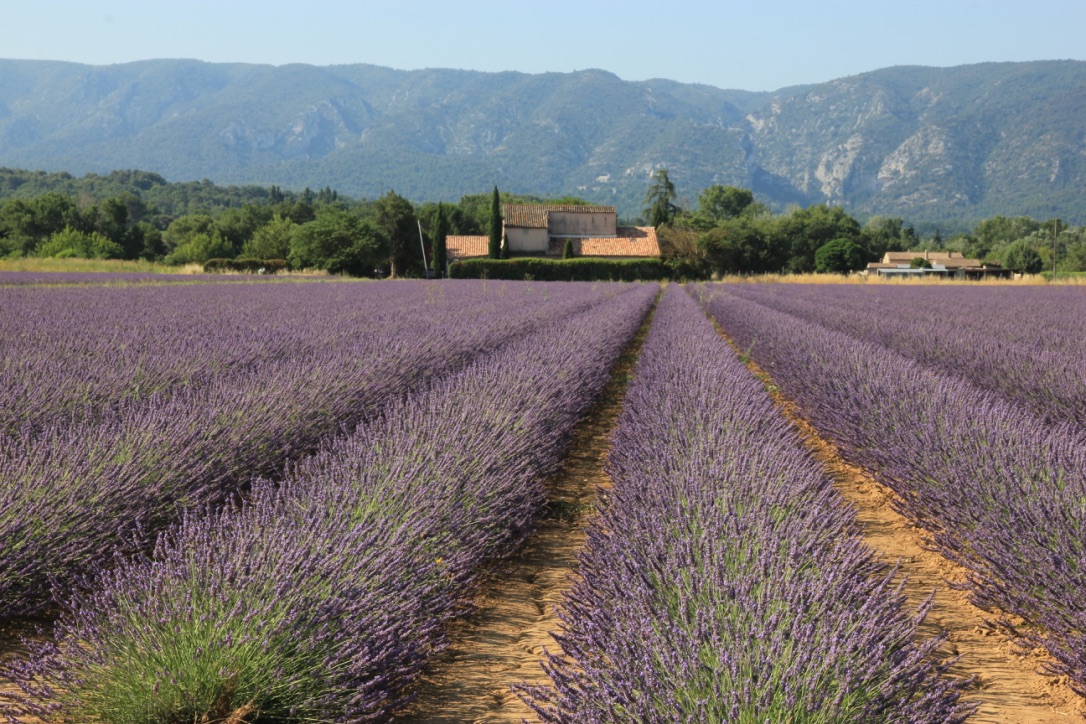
944	264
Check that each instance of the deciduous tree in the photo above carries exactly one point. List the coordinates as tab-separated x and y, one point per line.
339	242
1022	258
72	242
718	203
270	241
839	256
805	230
743	246
396	217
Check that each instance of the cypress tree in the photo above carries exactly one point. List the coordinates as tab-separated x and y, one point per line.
495	225
567	249
440	231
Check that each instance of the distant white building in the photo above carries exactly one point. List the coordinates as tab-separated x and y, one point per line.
543	229
948	264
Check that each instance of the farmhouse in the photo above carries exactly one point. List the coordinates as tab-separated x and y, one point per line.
947	264
543	229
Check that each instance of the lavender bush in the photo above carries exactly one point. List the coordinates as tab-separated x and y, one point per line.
27	278
724	580
72	493
1027	344
323	597
1002	492
74	354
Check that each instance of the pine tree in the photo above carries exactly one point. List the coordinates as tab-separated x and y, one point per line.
659	199
495	225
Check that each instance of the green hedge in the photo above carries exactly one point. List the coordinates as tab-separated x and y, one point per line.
270	266
564	270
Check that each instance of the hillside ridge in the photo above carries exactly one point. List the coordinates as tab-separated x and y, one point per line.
925	143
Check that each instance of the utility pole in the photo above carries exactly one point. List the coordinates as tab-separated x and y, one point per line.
422	244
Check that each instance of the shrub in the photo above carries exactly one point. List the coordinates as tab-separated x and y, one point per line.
200	248
688	269
70	243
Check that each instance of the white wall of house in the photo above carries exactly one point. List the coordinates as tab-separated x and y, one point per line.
564	223
526	241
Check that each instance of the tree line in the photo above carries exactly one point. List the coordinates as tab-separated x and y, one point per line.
729	232
308	230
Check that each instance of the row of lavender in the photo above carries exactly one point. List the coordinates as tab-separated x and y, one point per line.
724	580
1027	344
76	353
73	493
1003	493
26	278
323	597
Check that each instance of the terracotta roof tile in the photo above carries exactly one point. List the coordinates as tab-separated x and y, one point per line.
466	247
534	216
628	241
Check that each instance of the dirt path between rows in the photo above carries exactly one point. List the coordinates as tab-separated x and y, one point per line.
1008	684
12	634
502	642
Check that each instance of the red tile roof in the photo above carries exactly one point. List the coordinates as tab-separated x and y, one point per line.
534	216
629	241
466	247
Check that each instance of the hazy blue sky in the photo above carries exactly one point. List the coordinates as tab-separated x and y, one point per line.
752	45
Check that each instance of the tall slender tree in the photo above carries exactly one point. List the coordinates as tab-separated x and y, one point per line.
495	230
660	199
438	235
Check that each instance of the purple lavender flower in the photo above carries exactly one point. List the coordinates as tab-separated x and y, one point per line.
724	580
322	597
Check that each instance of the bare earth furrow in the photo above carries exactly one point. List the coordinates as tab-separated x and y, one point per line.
502	642
1008	684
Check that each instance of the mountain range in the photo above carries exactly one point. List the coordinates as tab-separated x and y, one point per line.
926	144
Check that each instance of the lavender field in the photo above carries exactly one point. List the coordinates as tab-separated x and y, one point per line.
724	580
968	404
268	502
40	278
180	402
